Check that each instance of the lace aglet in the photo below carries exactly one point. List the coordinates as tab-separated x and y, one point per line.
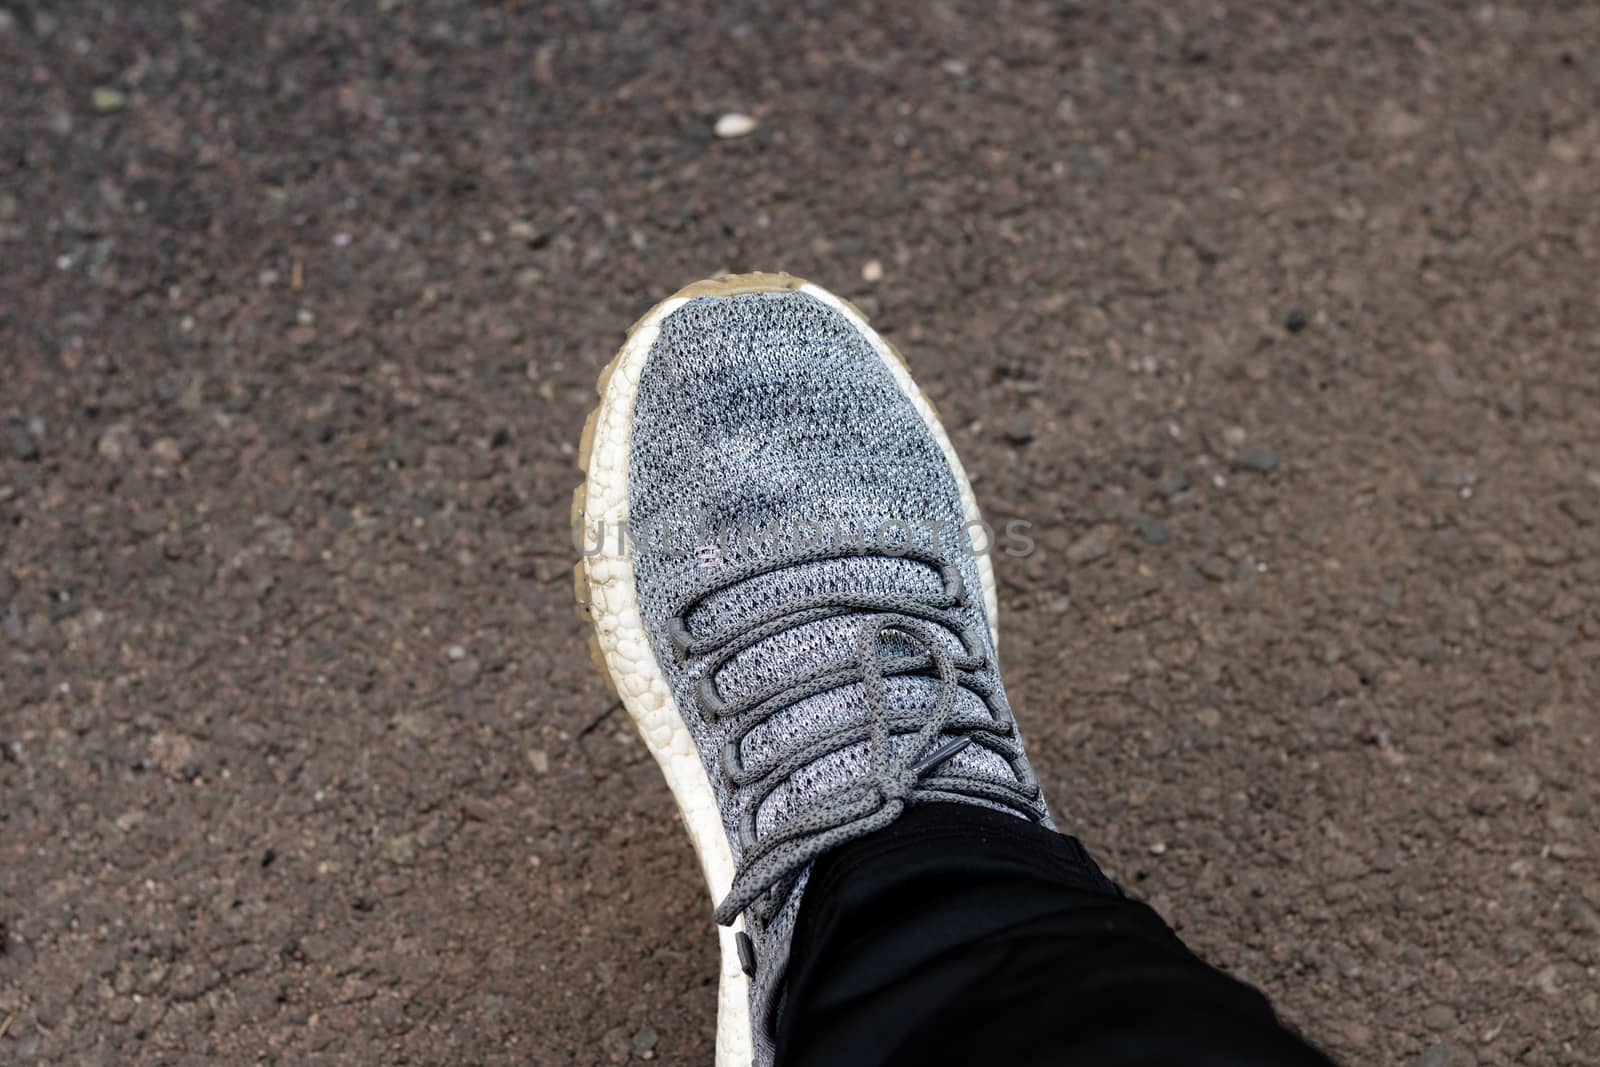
939	755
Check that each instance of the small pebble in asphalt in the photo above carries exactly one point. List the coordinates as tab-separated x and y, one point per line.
1149	465
1583	917
107	100
1440	1055
734	124
116	442
167	451
1511	401
1261	460
23	444
1176	481
1296	320
1019	431
401	850
1058	604
1439	1017
872	272
644	1042
1088	548
1154	531
1528	787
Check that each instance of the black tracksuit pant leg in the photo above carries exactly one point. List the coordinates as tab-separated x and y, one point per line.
960	935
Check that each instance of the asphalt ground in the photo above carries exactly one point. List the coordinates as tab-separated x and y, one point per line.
1277	320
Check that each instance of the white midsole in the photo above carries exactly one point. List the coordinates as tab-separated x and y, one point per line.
625	643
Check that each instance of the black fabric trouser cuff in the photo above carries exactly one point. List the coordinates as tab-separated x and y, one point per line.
960	934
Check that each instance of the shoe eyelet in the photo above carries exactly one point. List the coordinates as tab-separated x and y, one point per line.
747	953
678	635
976	647
711	703
955	589
732	760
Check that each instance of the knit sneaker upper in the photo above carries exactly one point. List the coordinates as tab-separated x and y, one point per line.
810	595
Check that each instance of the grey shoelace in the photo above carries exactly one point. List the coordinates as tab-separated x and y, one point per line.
898	774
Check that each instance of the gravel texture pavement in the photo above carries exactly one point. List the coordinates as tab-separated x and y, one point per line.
1277	320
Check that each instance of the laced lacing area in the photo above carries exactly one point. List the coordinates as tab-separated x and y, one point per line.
899	773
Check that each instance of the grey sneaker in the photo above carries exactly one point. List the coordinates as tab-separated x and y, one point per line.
779	564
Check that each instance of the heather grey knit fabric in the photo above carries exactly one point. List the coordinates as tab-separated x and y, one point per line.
776	472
